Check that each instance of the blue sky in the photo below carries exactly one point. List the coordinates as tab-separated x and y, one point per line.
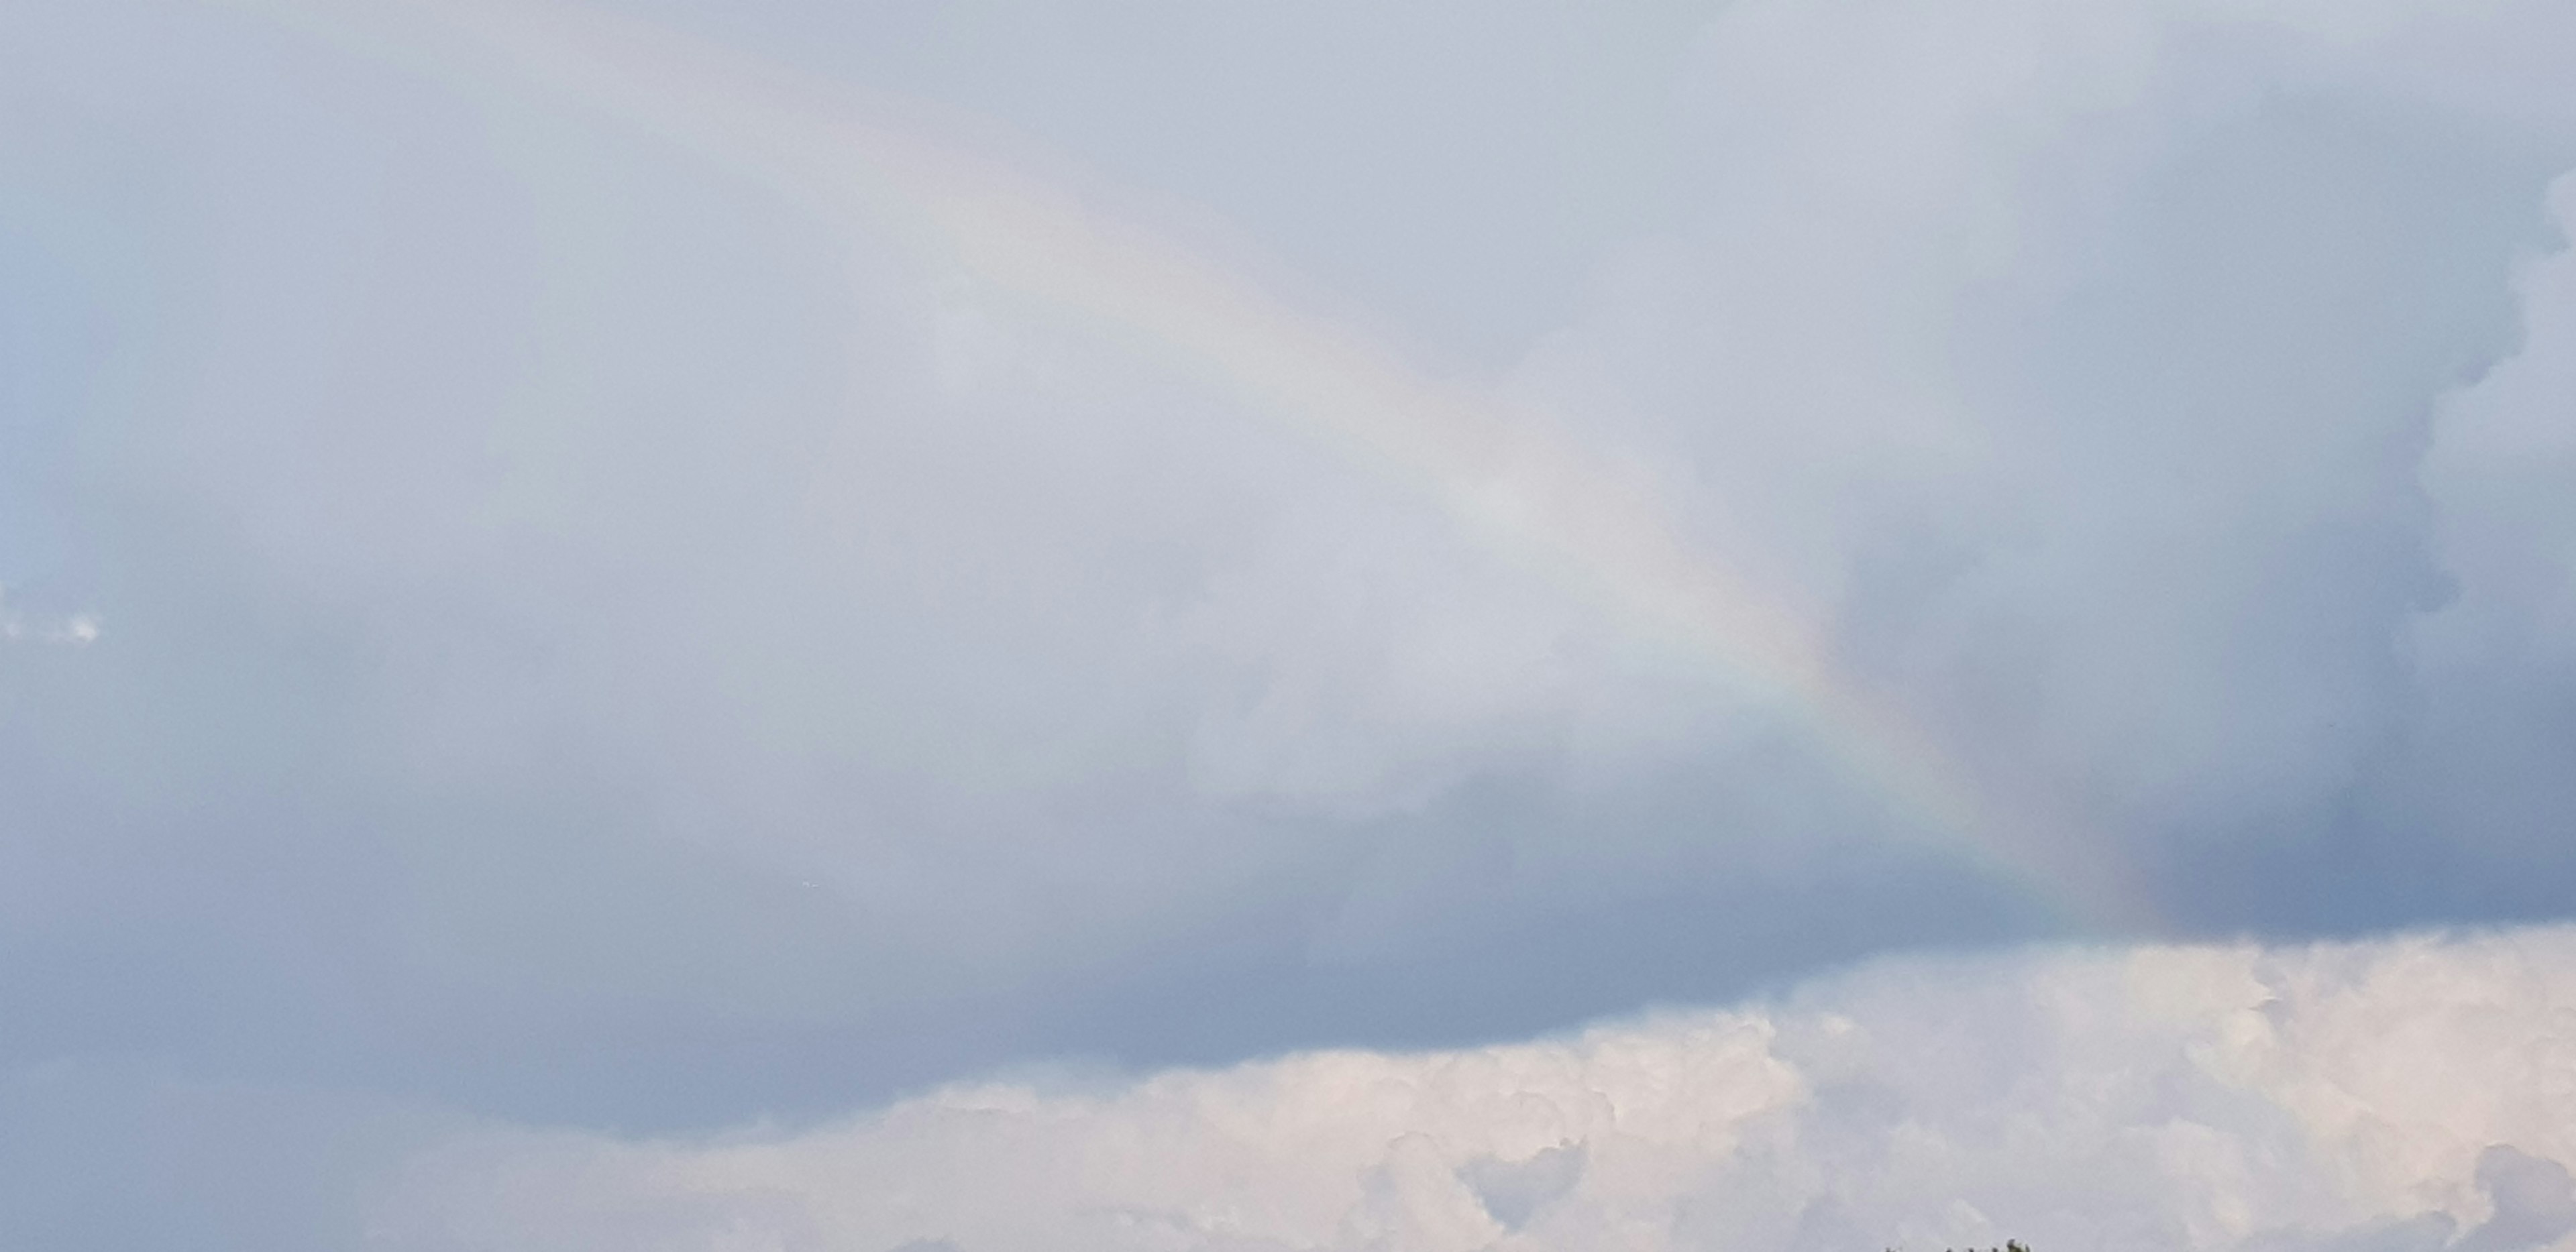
581	582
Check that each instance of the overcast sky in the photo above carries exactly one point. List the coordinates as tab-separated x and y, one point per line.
780	624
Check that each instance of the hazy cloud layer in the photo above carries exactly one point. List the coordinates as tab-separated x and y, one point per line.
595	611
2410	1094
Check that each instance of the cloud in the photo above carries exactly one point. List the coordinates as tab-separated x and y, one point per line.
616	621
613	619
2497	658
2070	361
127	1154
2408	1093
77	630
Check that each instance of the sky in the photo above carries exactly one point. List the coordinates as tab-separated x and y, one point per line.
1159	624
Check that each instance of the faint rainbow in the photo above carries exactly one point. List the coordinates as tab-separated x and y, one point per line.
1508	481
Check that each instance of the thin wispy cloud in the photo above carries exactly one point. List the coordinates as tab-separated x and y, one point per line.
78	629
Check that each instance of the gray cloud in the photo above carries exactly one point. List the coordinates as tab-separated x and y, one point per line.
610	621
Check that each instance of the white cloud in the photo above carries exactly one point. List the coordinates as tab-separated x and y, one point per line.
77	630
2413	1093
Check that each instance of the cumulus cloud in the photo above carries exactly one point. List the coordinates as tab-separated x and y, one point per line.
2073	364
2498	658
2401	1094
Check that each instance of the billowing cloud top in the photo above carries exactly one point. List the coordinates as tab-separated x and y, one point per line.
643	566
2404	1096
